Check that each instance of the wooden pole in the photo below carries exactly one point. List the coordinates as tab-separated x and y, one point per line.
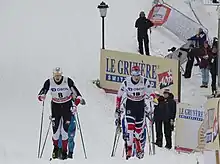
217	157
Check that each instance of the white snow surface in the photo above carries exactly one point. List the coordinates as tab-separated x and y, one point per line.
38	35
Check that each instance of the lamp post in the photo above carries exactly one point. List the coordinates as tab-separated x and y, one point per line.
103	12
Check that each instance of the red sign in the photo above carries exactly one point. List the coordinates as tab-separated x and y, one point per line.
165	79
159	14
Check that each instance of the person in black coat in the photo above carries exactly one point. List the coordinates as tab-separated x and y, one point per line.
213	66
190	60
143	24
164	114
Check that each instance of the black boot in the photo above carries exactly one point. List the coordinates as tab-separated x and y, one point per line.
158	143
70	155
140	154
60	153
55	152
168	147
64	155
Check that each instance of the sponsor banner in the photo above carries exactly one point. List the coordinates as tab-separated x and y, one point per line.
211	124
175	21
115	66
189	121
159	14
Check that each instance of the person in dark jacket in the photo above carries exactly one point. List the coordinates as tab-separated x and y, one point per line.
199	40
165	113
213	66
204	64
190	60
143	24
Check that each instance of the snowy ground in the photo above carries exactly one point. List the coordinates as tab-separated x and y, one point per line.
36	36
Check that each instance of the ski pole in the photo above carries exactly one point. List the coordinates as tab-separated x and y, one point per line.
148	137
152	126
41	127
116	139
80	130
119	133
42	151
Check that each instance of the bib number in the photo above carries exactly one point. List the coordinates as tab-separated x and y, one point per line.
60	95
136	94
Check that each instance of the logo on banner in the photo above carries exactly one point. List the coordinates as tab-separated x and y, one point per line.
191	114
118	70
159	14
165	79
208	137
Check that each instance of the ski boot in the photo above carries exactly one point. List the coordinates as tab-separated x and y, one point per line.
60	153
140	154
129	152
55	152
64	155
139	151
70	155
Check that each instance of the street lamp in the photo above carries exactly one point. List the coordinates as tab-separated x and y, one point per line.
103	12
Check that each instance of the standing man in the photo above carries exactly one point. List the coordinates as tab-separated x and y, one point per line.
62	91
143	24
164	116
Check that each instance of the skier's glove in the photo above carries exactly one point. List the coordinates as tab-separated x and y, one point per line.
77	100
147	110
73	109
41	97
117	116
117	122
83	102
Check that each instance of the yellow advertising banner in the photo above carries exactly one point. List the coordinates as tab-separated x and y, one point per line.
211	124
189	119
115	66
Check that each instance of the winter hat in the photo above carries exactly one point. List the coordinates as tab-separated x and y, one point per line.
142	14
167	90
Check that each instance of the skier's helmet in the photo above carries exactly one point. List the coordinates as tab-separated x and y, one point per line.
135	71
57	73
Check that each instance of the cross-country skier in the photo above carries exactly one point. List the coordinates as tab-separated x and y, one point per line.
142	136
63	90
136	88
71	133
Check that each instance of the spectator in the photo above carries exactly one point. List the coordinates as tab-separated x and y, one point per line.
213	66
190	60
164	114
205	54
143	24
199	40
